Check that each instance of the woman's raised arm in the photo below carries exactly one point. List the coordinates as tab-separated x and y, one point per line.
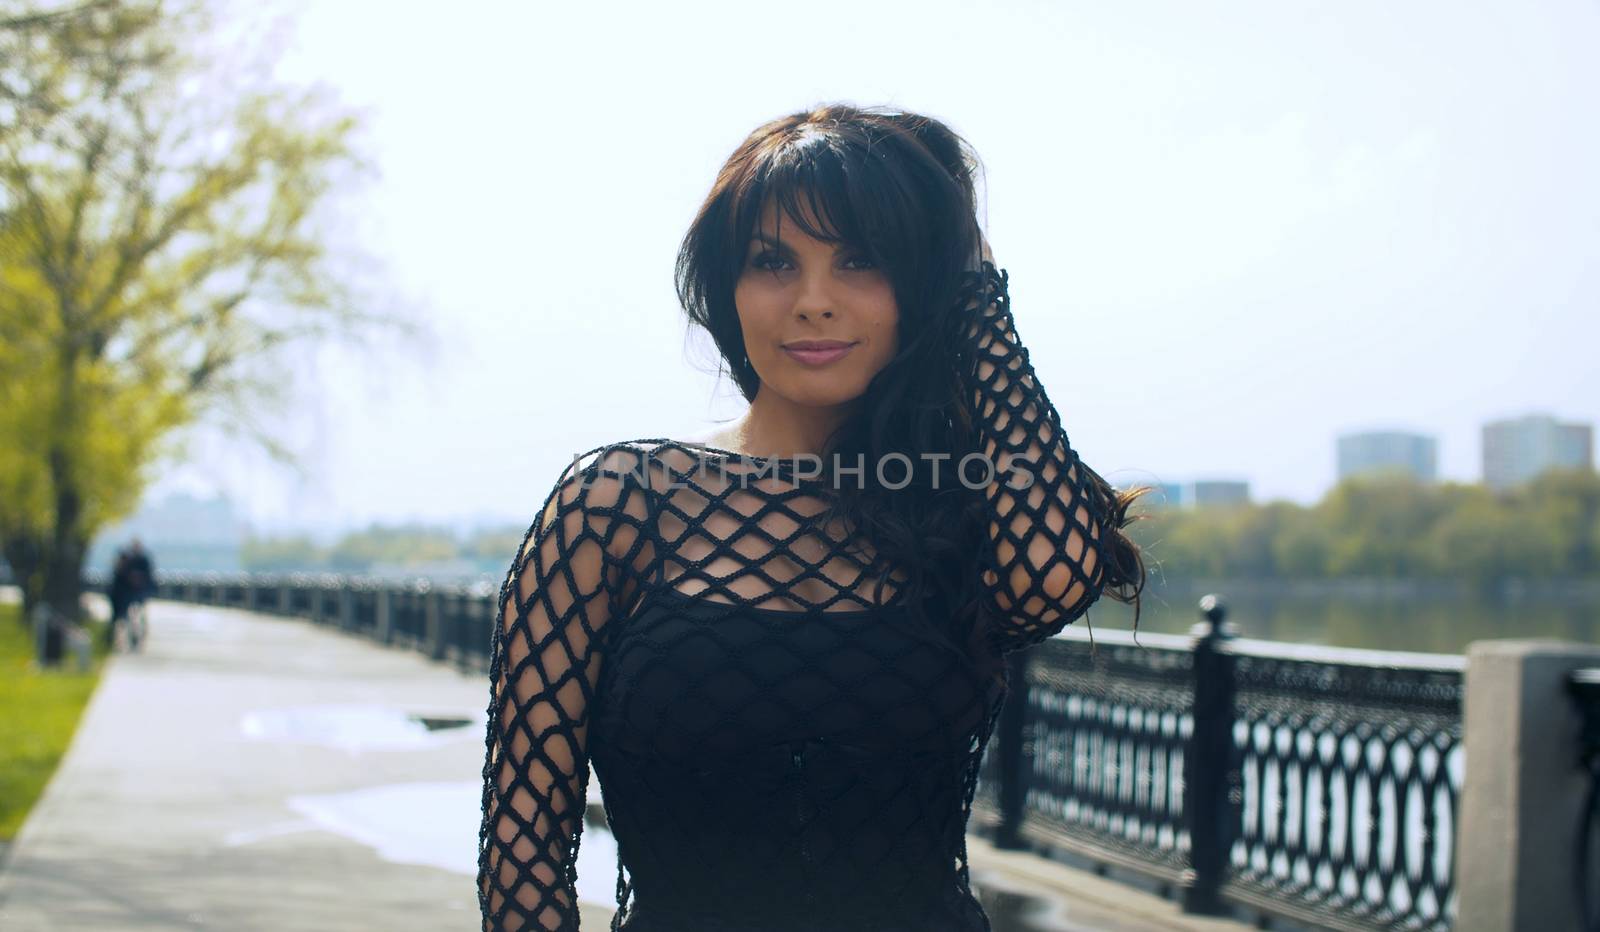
1041	565
556	601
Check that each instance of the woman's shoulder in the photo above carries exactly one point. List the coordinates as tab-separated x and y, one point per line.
643	458
639	449
665	466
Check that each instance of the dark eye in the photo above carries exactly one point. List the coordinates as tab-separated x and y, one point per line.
765	261
861	262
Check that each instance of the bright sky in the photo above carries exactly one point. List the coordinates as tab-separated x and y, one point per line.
1231	236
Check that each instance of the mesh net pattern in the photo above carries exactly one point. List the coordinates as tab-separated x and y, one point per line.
780	747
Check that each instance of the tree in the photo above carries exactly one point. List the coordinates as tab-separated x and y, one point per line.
1374	521
277	555
161	249
1567	500
405	545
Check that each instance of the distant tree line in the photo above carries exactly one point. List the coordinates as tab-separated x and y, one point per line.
384	547
1390	525
1373	526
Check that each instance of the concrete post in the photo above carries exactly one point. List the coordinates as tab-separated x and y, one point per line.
1523	792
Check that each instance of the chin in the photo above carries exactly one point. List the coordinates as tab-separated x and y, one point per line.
814	396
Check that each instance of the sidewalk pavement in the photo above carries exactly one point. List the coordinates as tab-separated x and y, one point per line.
255	773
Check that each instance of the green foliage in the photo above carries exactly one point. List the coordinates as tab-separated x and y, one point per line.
280	554
68	418
1390	526
407	545
162	249
497	546
39	711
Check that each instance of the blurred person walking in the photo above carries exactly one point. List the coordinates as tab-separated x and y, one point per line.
132	583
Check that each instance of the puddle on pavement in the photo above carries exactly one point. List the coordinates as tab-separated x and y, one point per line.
358	728
427	824
436	825
1010	911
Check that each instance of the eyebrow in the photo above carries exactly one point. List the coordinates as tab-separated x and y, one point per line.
838	247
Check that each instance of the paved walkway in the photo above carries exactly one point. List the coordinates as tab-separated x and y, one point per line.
249	772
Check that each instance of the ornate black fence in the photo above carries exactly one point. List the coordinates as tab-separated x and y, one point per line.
1314	784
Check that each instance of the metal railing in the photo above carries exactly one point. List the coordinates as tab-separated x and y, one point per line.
1314	784
449	623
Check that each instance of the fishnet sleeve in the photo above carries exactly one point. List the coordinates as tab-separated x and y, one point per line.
544	666
1040	565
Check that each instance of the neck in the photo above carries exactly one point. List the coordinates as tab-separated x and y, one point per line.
775	426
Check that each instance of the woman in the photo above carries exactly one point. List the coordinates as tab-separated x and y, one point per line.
781	652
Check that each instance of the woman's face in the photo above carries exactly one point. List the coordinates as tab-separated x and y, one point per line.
819	318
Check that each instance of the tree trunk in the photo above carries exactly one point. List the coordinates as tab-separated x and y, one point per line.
63	581
22	554
63	562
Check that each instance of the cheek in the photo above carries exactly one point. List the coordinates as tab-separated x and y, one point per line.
885	336
754	310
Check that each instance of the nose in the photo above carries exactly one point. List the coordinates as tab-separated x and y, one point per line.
814	302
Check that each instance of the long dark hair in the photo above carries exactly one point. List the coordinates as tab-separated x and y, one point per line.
898	187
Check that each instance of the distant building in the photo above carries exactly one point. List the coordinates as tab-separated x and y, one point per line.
1377	451
1163	495
181	532
1220	492
1516	450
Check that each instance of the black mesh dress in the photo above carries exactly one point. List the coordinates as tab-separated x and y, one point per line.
778	751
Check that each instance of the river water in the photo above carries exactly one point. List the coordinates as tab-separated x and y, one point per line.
1382	617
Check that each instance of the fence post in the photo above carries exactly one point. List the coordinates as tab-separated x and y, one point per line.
1010	728
463	627
489	606
383	609
1209	771
432	630
346	605
1523	791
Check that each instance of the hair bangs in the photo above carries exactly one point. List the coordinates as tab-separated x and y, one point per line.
832	191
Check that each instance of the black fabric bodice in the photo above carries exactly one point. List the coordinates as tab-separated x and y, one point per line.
783	770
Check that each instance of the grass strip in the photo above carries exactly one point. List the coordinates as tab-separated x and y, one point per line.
39	711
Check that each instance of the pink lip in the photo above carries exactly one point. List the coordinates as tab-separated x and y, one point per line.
818	352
